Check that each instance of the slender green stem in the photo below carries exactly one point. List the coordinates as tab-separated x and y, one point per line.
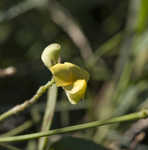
134	116
48	116
27	103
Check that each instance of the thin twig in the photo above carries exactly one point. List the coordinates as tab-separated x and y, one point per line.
27	103
130	117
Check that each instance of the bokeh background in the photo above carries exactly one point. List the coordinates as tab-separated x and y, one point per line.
109	38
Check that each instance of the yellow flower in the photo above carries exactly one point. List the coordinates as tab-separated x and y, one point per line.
72	78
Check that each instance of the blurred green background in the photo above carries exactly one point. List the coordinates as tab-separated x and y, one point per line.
109	38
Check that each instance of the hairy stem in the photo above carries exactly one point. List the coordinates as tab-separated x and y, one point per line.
27	103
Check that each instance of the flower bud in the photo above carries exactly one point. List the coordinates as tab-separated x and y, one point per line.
50	54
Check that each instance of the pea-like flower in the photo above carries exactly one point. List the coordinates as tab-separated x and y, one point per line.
70	77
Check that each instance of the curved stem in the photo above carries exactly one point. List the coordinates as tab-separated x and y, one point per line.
134	116
27	103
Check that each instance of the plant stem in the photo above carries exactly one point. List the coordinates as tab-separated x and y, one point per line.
27	103
48	116
133	116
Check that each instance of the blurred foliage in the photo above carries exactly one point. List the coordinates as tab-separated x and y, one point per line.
117	43
73	143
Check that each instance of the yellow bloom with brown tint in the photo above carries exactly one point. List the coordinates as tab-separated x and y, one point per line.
72	78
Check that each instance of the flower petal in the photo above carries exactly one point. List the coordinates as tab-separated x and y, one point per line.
76	92
50	54
67	73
